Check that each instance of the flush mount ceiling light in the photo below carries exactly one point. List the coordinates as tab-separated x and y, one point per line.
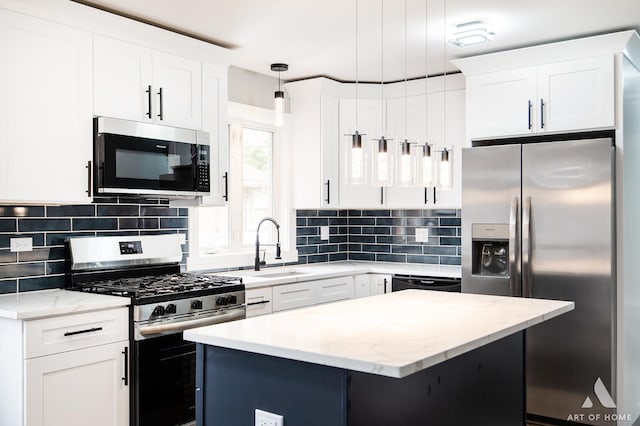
470	33
278	105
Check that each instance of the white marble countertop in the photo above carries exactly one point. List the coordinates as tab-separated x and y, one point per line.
318	271
48	303
394	334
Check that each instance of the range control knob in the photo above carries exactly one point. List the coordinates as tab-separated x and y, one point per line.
232	300
158	310
196	304
170	309
221	301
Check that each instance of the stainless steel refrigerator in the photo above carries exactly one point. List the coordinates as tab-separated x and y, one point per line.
538	220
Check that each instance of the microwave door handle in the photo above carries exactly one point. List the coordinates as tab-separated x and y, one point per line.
527	282
514	282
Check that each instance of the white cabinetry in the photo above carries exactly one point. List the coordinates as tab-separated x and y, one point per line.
560	97
45	111
70	370
371	284
259	301
137	83
308	293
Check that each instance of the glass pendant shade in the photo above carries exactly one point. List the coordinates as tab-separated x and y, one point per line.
356	160
446	170
427	166
383	163
405	165
278	107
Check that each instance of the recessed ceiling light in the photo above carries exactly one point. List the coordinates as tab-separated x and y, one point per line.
471	33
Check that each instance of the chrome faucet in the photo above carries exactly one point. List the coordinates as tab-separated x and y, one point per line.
278	254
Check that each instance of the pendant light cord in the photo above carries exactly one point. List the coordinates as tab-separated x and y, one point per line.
382	64
406	119
426	73
444	73
356	65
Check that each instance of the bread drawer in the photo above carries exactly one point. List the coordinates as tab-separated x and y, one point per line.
69	332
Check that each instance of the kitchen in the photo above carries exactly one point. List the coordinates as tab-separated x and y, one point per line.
350	237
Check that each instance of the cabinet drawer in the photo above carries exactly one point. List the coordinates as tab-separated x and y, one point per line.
291	296
259	301
335	289
77	331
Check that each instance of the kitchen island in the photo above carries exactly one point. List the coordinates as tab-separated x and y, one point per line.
404	358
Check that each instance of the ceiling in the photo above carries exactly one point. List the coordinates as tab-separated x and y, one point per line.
319	37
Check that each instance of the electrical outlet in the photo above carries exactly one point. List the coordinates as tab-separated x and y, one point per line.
422	235
21	244
324	233
265	418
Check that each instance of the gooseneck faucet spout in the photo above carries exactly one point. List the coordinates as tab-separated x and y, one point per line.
258	263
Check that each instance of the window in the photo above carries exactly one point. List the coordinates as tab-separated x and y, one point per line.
225	236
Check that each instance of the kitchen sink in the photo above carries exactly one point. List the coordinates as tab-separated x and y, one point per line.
281	274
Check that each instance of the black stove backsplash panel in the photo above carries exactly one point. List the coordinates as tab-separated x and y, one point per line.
49	226
379	235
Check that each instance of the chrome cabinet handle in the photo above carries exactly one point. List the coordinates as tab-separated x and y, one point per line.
529	106
542	113
161	114
148	92
514	282
527	281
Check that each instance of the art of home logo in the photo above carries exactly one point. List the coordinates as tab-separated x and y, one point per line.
605	400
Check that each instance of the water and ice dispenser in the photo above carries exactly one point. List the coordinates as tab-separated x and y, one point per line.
490	249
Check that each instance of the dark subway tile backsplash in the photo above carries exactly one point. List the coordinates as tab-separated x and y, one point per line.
48	226
379	235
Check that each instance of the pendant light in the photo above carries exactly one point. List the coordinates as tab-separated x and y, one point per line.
383	163
426	163
278	101
356	159
405	160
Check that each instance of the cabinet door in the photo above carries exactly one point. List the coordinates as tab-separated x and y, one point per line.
259	301
498	104
330	151
291	296
362	285
370	124
177	84
334	289
577	95
380	284
82	387
45	109
122	79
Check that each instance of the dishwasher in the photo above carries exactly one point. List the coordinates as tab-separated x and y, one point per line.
405	282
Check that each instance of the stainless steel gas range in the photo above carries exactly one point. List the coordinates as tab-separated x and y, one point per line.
164	302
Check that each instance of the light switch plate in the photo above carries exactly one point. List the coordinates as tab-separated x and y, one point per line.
265	418
324	233
422	235
21	244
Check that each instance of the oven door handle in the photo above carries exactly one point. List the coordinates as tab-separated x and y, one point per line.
184	325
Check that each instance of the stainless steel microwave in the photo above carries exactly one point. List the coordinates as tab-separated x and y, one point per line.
149	160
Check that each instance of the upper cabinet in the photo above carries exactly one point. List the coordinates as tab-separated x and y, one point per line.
565	96
560	87
136	83
45	111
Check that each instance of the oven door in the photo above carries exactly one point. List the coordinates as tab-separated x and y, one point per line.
164	382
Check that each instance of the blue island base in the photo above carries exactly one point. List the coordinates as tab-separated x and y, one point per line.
483	387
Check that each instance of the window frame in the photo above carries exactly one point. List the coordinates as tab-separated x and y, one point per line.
233	257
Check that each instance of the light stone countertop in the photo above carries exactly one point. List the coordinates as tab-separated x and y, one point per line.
318	271
393	334
47	303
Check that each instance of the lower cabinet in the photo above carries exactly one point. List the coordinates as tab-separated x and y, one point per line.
66	370
372	284
259	301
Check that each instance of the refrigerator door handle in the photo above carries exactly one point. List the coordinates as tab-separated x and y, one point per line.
514	281
527	281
